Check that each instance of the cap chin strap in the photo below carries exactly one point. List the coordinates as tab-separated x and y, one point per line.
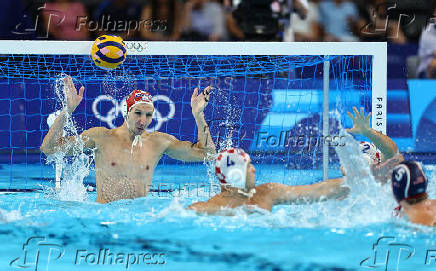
237	179
248	194
138	138
397	211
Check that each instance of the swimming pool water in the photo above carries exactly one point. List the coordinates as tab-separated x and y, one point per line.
324	236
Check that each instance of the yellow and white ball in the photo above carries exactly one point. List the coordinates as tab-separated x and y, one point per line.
108	52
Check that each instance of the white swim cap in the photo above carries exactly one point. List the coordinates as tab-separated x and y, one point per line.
370	152
231	167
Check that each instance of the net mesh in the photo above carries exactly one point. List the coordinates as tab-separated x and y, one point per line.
49	66
268	105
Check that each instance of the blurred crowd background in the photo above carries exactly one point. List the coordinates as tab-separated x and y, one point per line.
406	24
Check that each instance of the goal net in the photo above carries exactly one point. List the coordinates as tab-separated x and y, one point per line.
283	103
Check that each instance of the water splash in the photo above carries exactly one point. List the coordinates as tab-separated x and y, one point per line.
367	202
10	216
232	115
75	168
119	84
72	188
358	175
174	210
431	174
230	125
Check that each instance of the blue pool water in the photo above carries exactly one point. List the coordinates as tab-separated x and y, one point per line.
333	235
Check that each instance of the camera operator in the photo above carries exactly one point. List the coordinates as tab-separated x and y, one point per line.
263	20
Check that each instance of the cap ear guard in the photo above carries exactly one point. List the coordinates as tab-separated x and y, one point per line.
370	152
408	180
236	177
124	108
231	167
401	182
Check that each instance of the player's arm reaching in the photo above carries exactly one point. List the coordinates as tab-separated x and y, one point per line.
208	207
304	194
384	143
55	141
382	172
185	150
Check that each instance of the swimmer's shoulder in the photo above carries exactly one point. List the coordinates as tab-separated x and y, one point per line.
96	132
265	196
93	136
159	134
267	189
423	218
163	138
422	214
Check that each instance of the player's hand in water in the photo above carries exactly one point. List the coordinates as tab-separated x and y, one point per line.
73	98
199	102
383	172
360	122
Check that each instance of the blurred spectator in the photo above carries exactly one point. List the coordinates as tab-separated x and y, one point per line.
427	53
14	22
376	25
287	10
163	19
117	17
307	29
204	20
235	32
60	18
257	20
336	19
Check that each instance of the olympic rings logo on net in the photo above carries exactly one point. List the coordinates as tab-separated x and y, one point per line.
113	113
137	47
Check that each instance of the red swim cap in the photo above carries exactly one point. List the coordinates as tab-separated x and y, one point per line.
136	97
